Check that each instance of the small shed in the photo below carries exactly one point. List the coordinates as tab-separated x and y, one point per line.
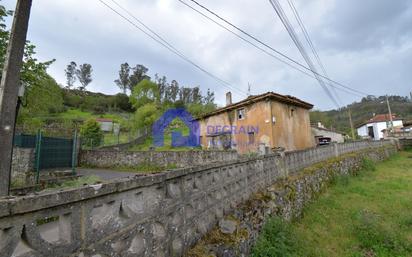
105	124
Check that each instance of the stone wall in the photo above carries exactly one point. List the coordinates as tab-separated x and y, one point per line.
107	159
157	215
406	143
22	163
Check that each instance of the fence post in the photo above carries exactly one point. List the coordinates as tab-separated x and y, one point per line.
38	150
74	153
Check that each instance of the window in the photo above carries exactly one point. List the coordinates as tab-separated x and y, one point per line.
241	114
251	136
292	111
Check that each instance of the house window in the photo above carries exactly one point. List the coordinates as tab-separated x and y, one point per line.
292	112
251	136
241	114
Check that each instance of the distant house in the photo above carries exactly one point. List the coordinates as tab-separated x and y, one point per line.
322	134
374	127
258	122
105	124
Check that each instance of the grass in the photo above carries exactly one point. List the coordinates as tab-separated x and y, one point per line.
365	216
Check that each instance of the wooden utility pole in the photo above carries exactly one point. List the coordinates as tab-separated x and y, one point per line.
411	96
9	87
351	124
390	114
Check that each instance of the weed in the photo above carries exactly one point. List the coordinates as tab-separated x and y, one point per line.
368	164
277	240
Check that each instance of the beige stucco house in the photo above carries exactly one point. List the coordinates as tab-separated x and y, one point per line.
268	120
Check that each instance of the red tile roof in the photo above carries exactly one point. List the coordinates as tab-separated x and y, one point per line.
380	118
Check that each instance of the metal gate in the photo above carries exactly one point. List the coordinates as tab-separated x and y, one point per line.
54	153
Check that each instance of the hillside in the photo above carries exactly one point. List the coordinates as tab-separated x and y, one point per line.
363	111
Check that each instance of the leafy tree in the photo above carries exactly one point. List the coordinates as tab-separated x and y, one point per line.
124	77
144	93
91	133
209	98
198	109
84	74
122	102
162	87
139	73
173	91
146	115
43	98
71	74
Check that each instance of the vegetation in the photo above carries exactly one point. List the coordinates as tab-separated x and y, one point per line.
91	133
367	215
363	111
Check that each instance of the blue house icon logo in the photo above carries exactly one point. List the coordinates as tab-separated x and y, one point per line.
178	140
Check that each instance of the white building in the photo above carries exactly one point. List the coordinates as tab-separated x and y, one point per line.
319	131
373	128
105	124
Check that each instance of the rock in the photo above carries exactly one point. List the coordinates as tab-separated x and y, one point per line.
227	226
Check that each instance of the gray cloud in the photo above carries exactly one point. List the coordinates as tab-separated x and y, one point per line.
365	44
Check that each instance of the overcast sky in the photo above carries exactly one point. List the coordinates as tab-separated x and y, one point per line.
363	44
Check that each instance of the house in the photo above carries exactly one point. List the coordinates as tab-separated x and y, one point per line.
374	127
322	134
258	122
105	124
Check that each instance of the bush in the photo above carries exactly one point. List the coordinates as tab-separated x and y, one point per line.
368	164
91	133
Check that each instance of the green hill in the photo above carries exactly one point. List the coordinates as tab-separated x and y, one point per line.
363	111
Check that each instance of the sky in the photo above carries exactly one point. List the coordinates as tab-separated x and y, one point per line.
365	45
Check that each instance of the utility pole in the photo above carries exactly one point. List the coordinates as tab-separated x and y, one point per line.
411	96
9	87
390	113
351	124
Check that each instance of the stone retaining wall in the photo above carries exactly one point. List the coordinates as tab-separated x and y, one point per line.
22	162
107	159
157	215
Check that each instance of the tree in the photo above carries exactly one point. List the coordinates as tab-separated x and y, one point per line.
139	73
162	87
209	98
71	74
124	77
91	133
146	115
173	90
144	93
41	99
84	74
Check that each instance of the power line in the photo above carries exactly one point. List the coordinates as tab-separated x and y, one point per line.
310	43
360	93
282	16
160	40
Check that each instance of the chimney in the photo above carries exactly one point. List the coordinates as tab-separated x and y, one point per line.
228	98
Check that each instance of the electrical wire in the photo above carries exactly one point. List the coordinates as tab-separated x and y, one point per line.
358	92
160	40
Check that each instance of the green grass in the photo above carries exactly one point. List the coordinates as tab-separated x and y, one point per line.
146	146
365	216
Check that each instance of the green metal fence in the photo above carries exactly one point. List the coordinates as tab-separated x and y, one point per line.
50	152
25	141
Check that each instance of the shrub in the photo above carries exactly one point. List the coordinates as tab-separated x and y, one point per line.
368	164
91	133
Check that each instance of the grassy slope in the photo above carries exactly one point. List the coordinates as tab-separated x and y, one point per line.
368	215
